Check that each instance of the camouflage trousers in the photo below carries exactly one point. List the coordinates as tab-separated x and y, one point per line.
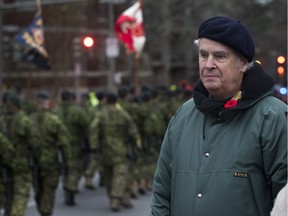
73	175
145	167
115	179
22	184
45	194
91	166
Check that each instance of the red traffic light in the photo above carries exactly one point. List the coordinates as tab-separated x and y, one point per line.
281	59
280	71
88	42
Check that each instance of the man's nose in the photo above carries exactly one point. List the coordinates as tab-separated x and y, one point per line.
210	63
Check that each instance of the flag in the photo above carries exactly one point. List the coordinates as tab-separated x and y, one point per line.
32	39
129	28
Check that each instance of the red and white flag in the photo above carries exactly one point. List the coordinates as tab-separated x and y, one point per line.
129	28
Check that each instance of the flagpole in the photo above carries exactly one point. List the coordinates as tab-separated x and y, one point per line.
29	80
38	6
136	73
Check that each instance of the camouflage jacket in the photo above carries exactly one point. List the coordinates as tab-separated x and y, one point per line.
77	123
55	139
111	134
6	151
25	138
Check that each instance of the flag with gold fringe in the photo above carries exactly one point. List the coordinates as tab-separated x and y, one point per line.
32	39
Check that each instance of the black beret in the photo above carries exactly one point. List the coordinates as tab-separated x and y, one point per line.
66	95
11	97
229	32
43	95
111	98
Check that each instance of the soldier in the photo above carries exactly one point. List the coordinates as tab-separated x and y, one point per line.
25	138
92	163
145	155
55	141
131	105
77	123
110	134
154	128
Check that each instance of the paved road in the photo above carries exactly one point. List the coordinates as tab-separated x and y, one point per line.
93	203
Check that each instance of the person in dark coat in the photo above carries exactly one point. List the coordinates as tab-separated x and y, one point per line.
225	150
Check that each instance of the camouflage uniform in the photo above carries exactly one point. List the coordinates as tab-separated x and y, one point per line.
154	126
144	161
90	164
55	139
93	165
6	152
134	110
25	138
111	133
77	123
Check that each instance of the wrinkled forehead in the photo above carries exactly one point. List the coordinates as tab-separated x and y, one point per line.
208	45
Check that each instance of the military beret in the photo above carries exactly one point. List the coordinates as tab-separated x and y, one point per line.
43	95
229	32
111	98
11	97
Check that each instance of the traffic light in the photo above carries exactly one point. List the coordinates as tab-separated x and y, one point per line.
281	65
82	45
77	49
88	42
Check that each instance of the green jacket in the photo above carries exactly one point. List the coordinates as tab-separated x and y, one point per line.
55	139
25	138
77	123
112	132
6	150
230	168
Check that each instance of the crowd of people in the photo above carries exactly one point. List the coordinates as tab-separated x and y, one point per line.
47	140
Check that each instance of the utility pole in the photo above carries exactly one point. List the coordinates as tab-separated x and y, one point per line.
111	43
111	72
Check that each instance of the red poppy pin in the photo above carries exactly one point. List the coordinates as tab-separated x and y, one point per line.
233	101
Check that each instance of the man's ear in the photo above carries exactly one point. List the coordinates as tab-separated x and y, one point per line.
243	65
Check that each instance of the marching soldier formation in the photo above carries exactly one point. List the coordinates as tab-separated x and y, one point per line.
51	142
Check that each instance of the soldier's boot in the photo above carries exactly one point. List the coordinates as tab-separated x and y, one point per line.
115	204
126	201
142	186
89	183
69	198
134	189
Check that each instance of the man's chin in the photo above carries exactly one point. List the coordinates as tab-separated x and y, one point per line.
211	86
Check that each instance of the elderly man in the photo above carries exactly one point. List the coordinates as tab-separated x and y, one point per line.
225	150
